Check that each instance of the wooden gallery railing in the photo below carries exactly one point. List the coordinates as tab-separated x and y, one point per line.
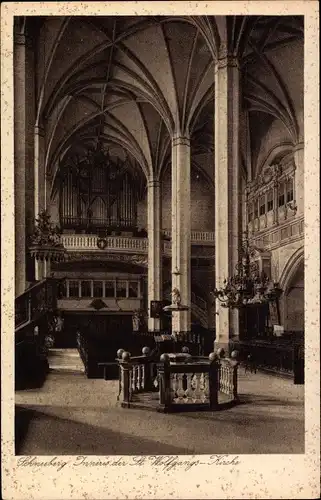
183	382
282	355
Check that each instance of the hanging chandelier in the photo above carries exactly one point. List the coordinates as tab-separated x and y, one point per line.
248	286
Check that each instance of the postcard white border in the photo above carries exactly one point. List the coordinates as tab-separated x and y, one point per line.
257	476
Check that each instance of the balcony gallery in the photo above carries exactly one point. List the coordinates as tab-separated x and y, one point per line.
129	243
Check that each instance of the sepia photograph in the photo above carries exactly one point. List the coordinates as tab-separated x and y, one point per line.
159	294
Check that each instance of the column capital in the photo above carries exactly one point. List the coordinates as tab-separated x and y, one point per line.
298	147
22	39
21	32
181	140
19	39
226	60
153	183
39	130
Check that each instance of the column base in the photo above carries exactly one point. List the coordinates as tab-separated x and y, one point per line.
221	345
227	346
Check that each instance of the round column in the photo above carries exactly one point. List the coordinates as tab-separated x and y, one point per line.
181	229
227	186
154	249
24	110
39	170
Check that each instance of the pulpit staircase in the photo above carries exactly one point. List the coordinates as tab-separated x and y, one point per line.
34	305
34	309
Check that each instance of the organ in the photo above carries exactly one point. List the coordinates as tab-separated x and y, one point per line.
97	193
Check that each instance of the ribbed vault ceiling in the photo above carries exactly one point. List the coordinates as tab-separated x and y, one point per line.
132	81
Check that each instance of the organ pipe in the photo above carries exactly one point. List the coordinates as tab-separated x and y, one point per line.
91	198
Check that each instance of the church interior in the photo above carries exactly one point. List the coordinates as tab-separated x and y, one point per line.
159	191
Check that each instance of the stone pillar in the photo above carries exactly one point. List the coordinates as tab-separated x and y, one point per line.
23	148
181	229
299	178
227	188
39	170
40	271
154	249
42	267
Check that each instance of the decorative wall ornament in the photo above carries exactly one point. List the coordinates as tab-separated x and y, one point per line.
45	232
101	243
270	197
55	322
136	321
267	175
98	304
274	172
49	342
45	241
292	205
139	320
140	260
176	296
135	259
176	304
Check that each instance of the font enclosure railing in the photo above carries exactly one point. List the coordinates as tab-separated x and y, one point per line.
177	382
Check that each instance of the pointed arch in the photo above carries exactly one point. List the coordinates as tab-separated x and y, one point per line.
290	269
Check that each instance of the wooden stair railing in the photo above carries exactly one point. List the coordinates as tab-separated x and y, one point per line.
34	304
33	308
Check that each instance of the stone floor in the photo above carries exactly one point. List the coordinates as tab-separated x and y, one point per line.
73	415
